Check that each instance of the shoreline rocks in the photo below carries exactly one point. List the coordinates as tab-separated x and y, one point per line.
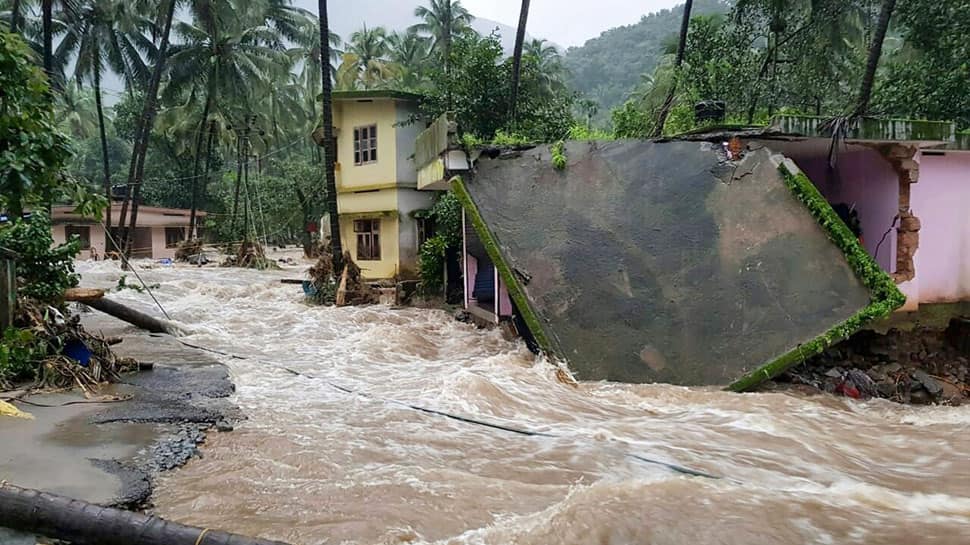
919	366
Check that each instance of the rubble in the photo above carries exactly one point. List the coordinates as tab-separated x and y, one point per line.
921	366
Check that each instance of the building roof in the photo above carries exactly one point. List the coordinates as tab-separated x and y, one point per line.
60	214
377	93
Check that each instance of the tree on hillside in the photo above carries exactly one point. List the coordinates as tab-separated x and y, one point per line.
681	48
443	20
328	142
517	58
365	59
409	52
549	62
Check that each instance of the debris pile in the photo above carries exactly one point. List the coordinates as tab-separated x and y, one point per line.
250	255
920	366
347	288
191	251
58	353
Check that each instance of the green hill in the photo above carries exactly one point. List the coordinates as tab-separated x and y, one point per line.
608	67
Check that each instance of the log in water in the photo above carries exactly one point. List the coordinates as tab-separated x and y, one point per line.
83	523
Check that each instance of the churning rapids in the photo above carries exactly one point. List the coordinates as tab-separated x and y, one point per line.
314	464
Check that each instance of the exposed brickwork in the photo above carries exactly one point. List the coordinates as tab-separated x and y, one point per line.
907	239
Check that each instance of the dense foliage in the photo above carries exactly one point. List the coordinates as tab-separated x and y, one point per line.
767	57
33	154
44	270
608	68
929	76
477	86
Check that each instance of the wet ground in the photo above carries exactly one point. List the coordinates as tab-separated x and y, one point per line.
331	453
108	452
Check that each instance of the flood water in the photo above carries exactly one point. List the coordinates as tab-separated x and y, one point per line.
315	464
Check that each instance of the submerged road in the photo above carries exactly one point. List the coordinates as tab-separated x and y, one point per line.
316	464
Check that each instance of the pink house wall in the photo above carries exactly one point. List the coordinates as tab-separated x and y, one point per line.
868	182
941	200
471	272
504	303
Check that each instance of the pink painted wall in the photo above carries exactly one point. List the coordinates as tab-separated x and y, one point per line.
59	232
941	200
867	181
471	272
504	303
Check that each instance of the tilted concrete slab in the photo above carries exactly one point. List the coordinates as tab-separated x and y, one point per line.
665	262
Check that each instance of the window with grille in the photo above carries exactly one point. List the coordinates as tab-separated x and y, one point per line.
83	233
365	145
174	236
368	239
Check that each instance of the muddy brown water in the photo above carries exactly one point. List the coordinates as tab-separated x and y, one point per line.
314	464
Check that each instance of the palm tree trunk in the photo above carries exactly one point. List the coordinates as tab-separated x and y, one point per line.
337	253
235	198
200	139
104	149
208	169
875	52
681	50
14	16
48	22
144	131
517	59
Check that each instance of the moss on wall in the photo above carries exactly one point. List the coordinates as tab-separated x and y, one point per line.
886	297
511	281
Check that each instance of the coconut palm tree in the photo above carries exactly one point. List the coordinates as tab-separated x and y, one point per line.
337	253
517	58
681	50
150	109
226	52
443	20
305	53
409	52
99	35
549	62
77	114
875	52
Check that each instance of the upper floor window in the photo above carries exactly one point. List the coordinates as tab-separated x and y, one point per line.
365	145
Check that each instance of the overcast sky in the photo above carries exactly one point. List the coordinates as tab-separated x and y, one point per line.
569	22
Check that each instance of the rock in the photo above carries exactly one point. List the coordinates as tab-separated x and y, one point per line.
919	397
891	368
951	394
932	386
886	389
862	382
835	372
223	426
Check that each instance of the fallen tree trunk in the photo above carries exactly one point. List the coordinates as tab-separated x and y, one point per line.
134	317
84	523
83	295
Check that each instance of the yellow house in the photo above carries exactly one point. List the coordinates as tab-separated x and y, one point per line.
377	192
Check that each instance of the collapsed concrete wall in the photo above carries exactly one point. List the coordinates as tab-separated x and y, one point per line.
666	262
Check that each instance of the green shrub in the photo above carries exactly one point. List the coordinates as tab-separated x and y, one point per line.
43	270
20	353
